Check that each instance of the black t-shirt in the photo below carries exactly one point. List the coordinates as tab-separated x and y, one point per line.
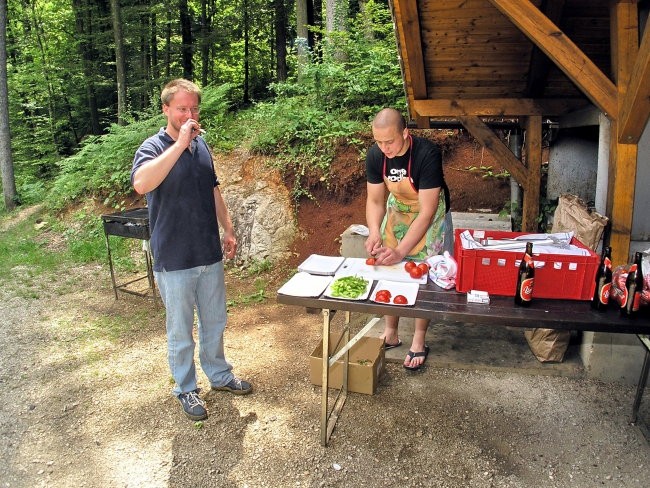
426	166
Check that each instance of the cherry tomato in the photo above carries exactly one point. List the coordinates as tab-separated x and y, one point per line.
382	298
400	300
416	273
410	265
424	267
370	261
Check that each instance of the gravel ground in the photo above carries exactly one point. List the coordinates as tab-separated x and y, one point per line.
88	403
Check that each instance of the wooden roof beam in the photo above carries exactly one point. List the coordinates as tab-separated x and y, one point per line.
539	62
413	46
495	107
498	149
563	52
622	157
635	107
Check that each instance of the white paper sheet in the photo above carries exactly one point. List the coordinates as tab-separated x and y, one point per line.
321	265
305	285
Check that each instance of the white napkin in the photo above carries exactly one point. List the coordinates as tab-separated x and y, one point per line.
443	270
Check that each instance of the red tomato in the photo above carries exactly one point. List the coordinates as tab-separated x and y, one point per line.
400	300
416	273
382	298
410	265
384	293
424	267
370	261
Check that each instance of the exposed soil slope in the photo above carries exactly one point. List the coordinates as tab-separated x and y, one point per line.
342	202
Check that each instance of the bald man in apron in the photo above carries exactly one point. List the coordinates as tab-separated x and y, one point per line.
414	222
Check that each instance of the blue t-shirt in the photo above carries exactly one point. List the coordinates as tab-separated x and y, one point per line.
182	215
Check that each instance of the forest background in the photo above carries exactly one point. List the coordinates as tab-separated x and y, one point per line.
83	80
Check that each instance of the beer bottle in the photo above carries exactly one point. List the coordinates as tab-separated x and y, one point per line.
633	287
603	281
525	278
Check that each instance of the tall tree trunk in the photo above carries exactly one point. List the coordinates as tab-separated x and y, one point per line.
154	48
118	38
6	159
168	45
206	31
315	18
367	21
246	51
82	23
302	31
281	40
336	15
145	60
38	30
301	18
186	40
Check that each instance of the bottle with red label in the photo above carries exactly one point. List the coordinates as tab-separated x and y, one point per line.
603	281
525	278
633	287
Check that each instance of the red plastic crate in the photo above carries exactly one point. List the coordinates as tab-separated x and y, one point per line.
561	276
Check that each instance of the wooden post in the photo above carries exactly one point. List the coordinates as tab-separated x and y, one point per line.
533	126
622	157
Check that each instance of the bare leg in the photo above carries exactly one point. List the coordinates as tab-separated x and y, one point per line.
390	335
421	326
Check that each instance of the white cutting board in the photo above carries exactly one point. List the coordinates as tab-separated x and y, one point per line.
395	272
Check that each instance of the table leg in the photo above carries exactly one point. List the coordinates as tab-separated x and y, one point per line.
110	264
327	319
150	276
342	396
643	379
328	419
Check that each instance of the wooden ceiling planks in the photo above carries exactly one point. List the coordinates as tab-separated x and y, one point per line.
522	58
466	44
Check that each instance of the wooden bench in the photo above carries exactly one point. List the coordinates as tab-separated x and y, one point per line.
450	306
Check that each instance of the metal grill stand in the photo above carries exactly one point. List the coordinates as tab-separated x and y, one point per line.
131	224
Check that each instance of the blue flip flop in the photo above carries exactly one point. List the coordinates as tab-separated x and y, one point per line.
412	355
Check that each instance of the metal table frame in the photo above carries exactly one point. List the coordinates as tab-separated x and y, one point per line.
640	386
441	305
119	224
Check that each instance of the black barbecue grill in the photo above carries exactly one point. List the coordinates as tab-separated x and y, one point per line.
131	224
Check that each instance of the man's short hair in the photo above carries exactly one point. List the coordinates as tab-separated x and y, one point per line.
175	86
389	117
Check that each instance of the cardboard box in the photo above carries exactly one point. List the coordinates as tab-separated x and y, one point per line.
495	271
366	366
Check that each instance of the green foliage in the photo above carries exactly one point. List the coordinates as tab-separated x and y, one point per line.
546	210
330	97
257	267
103	165
23	252
258	296
301	136
488	172
102	168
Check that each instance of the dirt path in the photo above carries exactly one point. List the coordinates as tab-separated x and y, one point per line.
87	403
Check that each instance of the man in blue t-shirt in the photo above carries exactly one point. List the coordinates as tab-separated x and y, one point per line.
175	169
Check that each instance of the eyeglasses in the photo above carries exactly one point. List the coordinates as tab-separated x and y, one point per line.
185	110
